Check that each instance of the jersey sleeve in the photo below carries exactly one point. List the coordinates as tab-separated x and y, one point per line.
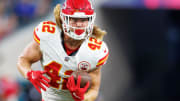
43	30
37	33
103	55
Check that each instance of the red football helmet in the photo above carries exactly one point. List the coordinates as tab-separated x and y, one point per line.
77	9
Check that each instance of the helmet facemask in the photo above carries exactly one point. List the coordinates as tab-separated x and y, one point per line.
77	33
77	9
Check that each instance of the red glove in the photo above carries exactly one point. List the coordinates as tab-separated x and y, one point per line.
37	79
76	92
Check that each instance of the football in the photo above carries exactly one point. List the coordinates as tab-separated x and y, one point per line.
85	77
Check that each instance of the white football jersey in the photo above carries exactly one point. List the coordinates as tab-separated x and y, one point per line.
91	54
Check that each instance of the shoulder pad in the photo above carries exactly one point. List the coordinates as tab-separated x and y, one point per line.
99	49
103	55
94	44
44	29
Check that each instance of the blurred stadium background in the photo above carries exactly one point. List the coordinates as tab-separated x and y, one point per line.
143	39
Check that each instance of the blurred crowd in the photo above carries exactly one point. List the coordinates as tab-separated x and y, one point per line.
17	13
17	90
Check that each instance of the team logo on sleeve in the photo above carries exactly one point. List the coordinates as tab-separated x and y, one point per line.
84	65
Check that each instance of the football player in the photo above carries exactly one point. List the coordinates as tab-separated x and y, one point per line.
71	43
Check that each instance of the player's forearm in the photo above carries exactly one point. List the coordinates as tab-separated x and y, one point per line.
23	66
91	95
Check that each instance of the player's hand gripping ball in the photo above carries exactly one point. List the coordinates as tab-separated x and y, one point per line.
85	77
78	83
